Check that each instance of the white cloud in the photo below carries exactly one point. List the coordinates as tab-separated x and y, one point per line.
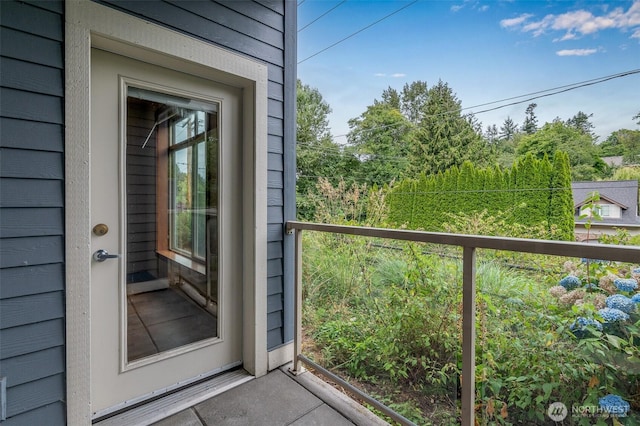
579	22
483	8
636	34
514	22
576	52
394	75
456	8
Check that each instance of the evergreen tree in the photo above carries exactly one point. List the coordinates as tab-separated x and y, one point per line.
508	130
561	211
444	137
581	122
492	135
530	125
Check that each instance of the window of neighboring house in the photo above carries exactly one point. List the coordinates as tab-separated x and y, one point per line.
604	210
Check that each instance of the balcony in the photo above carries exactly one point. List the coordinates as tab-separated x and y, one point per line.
483	400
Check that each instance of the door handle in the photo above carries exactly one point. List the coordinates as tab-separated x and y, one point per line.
102	255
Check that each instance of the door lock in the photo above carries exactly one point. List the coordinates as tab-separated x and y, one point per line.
102	255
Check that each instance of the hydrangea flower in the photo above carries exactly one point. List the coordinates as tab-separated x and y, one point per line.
581	323
557	290
570	282
613	315
636	298
585	260
614	404
636	271
600	301
626	284
573	296
623	303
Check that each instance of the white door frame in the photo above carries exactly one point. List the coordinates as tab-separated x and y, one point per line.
92	25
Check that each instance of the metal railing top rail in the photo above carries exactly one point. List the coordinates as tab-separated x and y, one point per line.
629	254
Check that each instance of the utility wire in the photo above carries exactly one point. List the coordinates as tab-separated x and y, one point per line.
461	191
585	84
621	74
358	32
324	14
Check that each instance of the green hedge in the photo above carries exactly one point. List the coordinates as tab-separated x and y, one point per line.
531	193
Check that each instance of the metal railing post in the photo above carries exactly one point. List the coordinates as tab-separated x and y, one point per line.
468	380
297	316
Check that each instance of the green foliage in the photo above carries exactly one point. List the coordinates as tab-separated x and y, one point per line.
444	138
557	136
623	142
379	137
530	125
533	193
561	199
316	153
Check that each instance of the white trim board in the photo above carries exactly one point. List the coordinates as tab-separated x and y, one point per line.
92	25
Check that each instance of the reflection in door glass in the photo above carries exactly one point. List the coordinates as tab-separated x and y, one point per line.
172	222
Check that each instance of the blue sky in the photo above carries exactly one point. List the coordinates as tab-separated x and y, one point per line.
485	50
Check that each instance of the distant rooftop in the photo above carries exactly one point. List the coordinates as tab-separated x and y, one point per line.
623	193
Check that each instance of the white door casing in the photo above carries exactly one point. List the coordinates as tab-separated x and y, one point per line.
91	25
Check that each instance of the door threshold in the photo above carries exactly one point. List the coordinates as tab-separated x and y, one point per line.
173	403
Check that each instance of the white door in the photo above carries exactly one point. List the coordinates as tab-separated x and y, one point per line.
166	200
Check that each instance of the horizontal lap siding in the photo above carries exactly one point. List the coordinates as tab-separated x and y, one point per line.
255	29
31	211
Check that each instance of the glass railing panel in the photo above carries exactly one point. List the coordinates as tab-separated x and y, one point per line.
386	316
546	351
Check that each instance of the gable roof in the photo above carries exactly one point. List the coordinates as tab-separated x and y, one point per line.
623	193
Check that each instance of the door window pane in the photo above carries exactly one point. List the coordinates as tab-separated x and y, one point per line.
172	225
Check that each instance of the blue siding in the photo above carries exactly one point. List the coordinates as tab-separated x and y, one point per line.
255	29
32	216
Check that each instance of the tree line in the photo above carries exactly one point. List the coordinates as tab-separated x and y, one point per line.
423	130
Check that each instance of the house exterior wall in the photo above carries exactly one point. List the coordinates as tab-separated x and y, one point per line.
32	282
32	211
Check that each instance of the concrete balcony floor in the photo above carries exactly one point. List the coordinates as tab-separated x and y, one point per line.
236	398
278	398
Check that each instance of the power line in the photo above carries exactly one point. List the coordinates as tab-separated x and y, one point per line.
585	84
461	191
542	94
337	152
358	32
324	14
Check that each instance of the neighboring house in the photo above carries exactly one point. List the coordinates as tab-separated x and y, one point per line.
617	206
163	132
614	161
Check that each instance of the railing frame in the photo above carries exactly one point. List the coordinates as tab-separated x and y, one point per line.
469	243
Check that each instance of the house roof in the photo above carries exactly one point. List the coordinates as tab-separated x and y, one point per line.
623	193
